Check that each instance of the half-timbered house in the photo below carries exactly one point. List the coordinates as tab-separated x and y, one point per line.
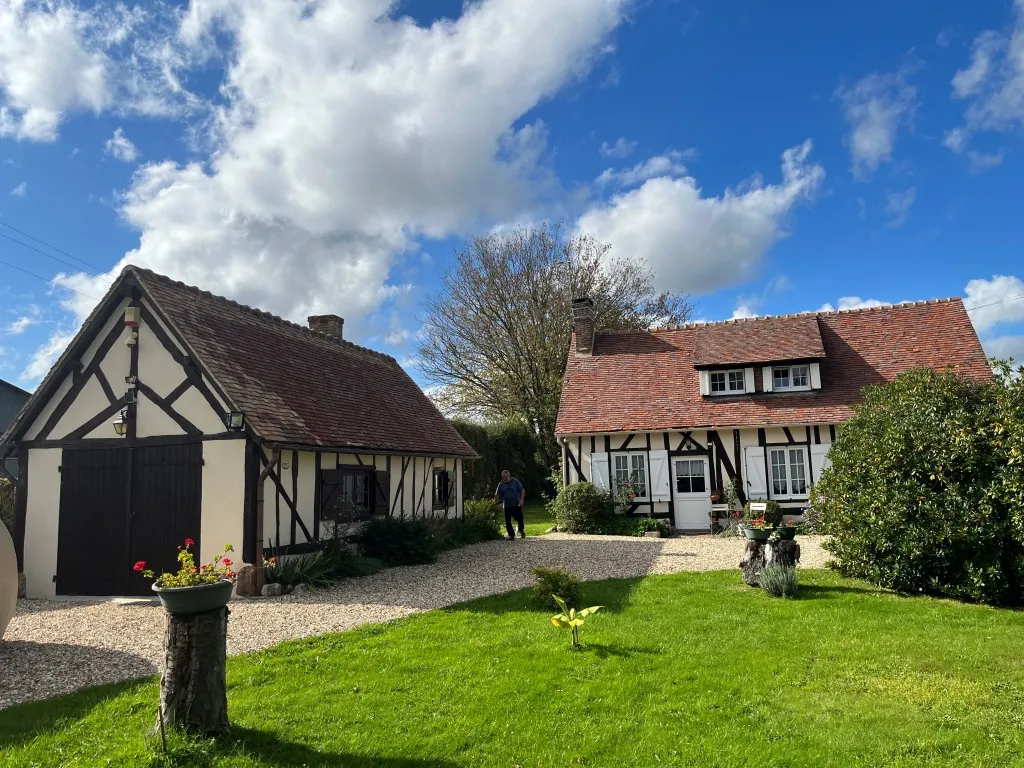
175	413
680	412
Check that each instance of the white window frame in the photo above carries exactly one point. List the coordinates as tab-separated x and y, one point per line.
690	460
632	457
789	369
726	375
788	453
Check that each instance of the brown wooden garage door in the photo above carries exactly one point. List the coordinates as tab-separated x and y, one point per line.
121	505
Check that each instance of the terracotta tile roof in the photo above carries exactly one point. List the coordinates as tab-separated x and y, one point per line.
300	386
646	380
765	340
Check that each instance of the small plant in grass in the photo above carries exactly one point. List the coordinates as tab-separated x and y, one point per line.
188	574
778	580
572	619
555	581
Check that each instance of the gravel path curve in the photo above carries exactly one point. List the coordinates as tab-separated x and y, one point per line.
56	646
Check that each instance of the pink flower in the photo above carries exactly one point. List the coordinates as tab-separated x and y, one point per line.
189	543
140	566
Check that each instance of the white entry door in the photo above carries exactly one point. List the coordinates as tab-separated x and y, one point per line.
691	493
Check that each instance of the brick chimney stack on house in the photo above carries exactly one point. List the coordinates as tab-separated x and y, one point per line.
583	324
330	324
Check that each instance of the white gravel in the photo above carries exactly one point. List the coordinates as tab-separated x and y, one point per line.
53	647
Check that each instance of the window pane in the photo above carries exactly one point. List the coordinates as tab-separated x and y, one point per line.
639	475
800	375
697	481
736	381
798	471
718	382
780	377
779	484
683	483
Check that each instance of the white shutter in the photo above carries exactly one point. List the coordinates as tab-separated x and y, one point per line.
705	383
599	471
748	379
757	485
815	376
766	378
819	461
661	488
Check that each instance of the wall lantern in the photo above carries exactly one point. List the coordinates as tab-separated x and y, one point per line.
121	423
131	317
235	420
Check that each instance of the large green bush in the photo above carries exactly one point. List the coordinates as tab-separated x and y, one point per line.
398	541
926	488
583	508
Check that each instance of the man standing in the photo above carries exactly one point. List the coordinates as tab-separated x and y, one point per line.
511	494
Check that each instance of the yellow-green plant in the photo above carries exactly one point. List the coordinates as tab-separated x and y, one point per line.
572	619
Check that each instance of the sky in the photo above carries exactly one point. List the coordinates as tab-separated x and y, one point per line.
331	156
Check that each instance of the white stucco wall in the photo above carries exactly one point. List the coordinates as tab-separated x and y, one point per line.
42	516
223	498
156	366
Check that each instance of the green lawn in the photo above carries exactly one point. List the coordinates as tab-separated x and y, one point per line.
690	669
537	518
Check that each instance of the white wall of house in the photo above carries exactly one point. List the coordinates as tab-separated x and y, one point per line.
581	450
223	498
41	521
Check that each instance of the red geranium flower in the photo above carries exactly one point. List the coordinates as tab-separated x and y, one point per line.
189	543
226	561
140	566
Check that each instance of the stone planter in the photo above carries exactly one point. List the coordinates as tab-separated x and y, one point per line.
187	601
756	534
652	534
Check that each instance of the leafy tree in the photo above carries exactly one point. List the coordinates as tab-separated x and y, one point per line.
497	331
926	484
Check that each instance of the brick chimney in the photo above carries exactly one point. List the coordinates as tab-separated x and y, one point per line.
583	324
330	324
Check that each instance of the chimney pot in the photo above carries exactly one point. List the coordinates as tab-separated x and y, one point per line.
332	325
583	324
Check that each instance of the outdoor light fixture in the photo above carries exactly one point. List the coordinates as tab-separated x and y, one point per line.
131	317
235	420
121	423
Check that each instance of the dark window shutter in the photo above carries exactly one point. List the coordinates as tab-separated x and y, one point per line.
383	492
448	489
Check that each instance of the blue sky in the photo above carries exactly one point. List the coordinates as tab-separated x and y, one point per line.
330	156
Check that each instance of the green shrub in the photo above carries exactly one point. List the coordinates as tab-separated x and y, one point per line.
555	581
396	541
315	570
772	512
778	580
642	525
925	488
7	504
583	508
482	514
452	533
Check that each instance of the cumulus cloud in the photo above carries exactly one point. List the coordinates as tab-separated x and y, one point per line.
992	84
898	204
669	164
1005	347
698	243
622	147
876	107
984	161
852	302
46	355
999	300
20	190
20	325
347	133
121	147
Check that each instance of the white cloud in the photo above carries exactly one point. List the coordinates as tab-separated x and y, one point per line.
744	308
955	139
852	302
984	161
622	147
945	37
898	204
1005	347
20	190
44	357
121	147
696	243
347	133
999	300
19	326
993	83
57	58
876	107
669	164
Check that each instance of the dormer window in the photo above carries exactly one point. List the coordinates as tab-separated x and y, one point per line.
727	382
791	378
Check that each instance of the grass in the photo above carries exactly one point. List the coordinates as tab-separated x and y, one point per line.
537	518
689	669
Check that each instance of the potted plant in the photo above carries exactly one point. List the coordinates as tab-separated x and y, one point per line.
757	529
716	495
193	590
788	531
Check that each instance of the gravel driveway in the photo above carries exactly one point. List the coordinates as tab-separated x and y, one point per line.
53	647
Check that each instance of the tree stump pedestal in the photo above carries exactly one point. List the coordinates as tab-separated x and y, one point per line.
193	686
758	554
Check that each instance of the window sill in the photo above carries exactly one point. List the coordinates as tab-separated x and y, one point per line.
734	393
791	389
